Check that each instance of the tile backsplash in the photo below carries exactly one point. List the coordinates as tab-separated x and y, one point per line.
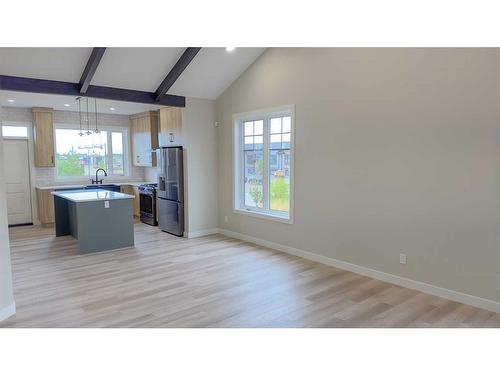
47	176
150	174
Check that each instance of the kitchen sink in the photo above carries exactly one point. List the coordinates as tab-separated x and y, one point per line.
110	187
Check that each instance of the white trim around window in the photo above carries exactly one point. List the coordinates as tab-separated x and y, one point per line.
265	145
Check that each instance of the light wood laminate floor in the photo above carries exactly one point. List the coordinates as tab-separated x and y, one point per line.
212	281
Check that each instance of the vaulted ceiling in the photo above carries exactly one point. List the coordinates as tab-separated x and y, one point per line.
210	72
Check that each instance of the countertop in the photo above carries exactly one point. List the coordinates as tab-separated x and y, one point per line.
96	195
81	186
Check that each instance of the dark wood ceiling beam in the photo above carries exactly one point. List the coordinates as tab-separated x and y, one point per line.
44	86
176	71
90	68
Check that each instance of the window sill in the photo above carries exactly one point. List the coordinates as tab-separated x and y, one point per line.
89	178
263	215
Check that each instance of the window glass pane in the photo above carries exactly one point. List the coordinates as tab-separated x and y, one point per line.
248	143
249	128
279	165
259	142
78	156
287	124
258	127
285	141
118	159
276	125
275	141
279	180
253	178
14	131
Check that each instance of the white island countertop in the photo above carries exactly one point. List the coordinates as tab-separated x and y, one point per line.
91	195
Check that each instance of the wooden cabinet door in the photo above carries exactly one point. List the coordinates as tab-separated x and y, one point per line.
144	139
133	190
153	120
139	142
136	142
137	202
43	130
45	199
170	127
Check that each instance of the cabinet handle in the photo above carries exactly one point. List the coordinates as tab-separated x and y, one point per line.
138	158
52	158
171	137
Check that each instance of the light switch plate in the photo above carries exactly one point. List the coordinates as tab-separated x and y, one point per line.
106	204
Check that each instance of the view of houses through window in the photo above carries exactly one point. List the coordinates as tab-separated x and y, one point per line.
80	156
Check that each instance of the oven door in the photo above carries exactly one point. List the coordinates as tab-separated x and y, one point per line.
146	201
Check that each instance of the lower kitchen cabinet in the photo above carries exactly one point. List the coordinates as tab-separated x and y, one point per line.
45	206
133	190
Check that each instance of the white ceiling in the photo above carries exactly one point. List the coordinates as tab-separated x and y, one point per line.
207	76
135	68
26	99
213	70
60	64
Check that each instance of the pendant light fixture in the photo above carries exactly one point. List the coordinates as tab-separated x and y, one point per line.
89	138
96	131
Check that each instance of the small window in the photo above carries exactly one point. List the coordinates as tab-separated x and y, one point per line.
15	131
263	167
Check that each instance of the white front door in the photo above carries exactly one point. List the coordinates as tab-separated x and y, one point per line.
17	178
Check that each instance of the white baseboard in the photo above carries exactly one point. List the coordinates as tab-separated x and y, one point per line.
375	274
8	311
203	232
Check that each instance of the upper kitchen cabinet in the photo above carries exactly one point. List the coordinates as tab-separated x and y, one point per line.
170	127
144	135
43	131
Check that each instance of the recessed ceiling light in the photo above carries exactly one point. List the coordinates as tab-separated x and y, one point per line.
111	108
11	100
66	105
230	49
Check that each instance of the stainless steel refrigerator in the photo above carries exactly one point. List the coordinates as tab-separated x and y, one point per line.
171	190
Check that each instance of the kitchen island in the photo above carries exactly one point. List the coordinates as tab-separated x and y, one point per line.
98	219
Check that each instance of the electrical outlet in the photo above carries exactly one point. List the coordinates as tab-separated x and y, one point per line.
402	258
106	204
225	219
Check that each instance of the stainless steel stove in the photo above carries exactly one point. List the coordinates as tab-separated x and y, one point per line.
147	195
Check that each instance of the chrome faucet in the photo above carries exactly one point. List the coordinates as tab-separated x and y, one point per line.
97	181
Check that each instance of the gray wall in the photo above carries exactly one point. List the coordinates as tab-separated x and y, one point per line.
397	150
6	293
200	143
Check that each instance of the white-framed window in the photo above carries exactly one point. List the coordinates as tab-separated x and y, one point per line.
15	131
79	157
263	163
